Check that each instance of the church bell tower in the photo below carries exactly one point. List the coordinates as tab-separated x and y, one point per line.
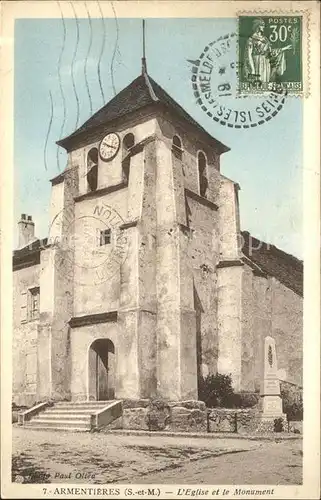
134	216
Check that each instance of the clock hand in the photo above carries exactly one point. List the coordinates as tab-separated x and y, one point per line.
110	145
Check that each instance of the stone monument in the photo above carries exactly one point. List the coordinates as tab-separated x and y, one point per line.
271	401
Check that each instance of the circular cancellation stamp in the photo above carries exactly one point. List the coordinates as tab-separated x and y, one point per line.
215	86
92	246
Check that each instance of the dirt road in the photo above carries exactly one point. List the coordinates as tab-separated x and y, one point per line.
96	458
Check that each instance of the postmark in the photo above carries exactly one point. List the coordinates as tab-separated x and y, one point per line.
270	54
214	83
91	247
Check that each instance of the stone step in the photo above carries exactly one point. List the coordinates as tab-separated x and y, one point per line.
57	428
71	415
71	412
62	416
59	423
83	406
89	409
82	403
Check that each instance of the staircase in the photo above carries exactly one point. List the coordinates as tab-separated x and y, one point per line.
75	416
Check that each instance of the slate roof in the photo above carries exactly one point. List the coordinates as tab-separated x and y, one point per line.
28	255
286	268
140	93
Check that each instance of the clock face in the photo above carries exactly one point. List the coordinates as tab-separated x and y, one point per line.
109	146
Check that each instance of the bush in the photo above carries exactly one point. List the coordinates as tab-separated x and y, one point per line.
246	399
278	424
216	391
294	411
292	402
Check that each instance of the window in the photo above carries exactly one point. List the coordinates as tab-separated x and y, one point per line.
92	157
126	169
177	147
128	143
92	169
202	174
34	296
105	237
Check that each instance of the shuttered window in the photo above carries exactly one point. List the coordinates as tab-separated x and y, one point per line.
24	307
34	303
29	304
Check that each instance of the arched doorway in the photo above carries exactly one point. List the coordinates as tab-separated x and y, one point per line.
101	368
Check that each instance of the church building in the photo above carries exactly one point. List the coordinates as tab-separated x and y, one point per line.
145	281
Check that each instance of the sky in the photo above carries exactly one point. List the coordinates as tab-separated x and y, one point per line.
67	68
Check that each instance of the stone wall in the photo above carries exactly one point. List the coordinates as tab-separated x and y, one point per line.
242	421
54	324
229	323
126	374
201	257
270	309
229	285
221	420
287	330
96	268
188	416
192	416
197	250
249	325
191	145
183	416
25	336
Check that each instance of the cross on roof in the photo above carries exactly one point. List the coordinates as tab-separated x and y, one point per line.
144	64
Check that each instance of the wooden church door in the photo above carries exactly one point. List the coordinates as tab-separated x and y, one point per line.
102	371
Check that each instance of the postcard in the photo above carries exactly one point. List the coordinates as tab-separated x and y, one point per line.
160	266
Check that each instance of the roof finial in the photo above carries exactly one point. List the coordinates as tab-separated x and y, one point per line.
144	65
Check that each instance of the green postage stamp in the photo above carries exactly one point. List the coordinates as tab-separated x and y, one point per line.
270	54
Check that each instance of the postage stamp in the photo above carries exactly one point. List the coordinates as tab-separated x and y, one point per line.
270	54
